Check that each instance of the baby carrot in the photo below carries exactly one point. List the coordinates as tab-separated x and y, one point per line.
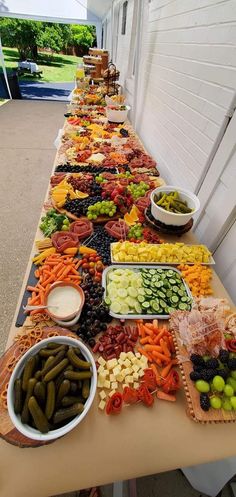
144	340
160	335
165	348
144	353
163	357
32	289
165	371
151	348
165	396
157	374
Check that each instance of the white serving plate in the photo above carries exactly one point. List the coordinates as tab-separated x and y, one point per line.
156	263
138	267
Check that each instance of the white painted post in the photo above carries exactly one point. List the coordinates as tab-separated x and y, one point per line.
4	68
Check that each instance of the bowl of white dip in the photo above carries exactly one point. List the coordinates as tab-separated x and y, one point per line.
65	302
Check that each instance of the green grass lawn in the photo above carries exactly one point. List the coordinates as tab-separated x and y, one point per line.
56	68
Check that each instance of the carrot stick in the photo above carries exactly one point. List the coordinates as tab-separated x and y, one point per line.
160	335
165	348
151	348
32	289
165	396
49	280
157	374
33	301
149	325
147	331
142	331
36	273
144	353
165	371
144	340
161	356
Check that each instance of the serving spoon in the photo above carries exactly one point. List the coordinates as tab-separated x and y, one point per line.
33	307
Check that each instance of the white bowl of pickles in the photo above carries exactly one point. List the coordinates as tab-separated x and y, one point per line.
173	206
52	388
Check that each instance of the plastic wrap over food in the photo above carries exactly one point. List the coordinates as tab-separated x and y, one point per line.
220	307
200	332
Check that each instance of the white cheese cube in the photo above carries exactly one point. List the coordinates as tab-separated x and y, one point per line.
120	377
138	355
112	363
100	369
141	373
136	385
130	355
127	363
112	377
111	393
103	374
107	384
101	405
143	359
117	370
101	361
120	362
130	378
135	376
114	385
102	395
135	368
127	371
133	359
127	379
123	356
100	383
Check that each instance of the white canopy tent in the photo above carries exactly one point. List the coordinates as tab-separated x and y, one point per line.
69	12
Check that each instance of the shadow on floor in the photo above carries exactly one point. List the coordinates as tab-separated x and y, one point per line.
46	91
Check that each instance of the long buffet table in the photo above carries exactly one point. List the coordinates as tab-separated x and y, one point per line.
105	449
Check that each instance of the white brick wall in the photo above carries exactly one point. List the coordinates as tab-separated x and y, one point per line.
189	80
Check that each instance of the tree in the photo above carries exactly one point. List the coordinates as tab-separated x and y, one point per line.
21	34
83	37
51	37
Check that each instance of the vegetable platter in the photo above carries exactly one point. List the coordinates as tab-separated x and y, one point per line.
141	292
206	351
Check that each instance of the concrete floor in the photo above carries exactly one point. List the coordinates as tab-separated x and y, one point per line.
27	132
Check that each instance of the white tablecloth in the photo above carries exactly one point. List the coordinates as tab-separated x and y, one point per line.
211	478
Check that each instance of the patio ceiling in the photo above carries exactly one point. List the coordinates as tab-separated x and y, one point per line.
70	11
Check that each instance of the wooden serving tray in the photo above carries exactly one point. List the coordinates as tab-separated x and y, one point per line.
99	220
194	410
26	338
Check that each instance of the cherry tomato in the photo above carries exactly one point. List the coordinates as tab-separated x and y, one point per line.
99	267
98	258
92	259
97	279
92	271
91	264
85	265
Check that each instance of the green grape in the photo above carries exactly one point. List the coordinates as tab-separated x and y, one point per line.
232	382
218	383
215	402
89	216
233	374
228	391
202	386
233	402
226	405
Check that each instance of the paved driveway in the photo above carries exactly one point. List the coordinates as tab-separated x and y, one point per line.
46	91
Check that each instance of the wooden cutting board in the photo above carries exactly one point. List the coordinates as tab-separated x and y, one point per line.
26	338
99	220
194	410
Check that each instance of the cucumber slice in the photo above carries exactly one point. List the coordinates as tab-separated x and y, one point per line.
162	304
141	291
181	293
122	292
148	291
138	308
132	292
169	294
130	301
174	299
161	295
175	289
172	281
124	309
141	298
115	307
155	307
145	305
107	301
183	306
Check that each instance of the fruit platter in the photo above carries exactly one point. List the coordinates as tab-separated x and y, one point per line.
205	346
142	302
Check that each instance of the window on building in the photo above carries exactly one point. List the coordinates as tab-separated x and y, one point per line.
124	15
